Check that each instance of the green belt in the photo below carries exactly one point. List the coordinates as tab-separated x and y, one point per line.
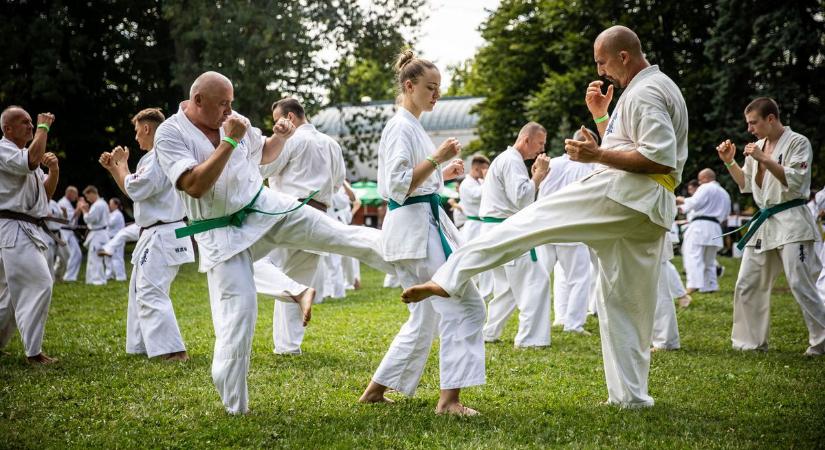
235	219
760	217
476	218
435	201
533	255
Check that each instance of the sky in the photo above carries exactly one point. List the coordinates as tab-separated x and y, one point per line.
450	33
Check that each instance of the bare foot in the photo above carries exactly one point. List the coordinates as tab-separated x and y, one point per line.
305	300
420	292
684	301
374	393
356	284
456	409
176	356
41	359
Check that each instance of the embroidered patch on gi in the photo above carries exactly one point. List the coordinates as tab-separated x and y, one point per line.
758	244
180	250
780	159
144	257
804	165
801	253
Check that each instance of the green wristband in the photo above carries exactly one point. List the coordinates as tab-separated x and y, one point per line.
602	118
730	164
432	160
231	141
43	126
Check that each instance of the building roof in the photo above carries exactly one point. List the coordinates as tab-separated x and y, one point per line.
450	113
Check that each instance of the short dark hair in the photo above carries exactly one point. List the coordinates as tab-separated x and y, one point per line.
764	106
479	159
90	189
289	105
149	115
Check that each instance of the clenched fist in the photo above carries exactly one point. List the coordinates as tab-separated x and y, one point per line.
45	119
50	160
235	127
447	150
453	170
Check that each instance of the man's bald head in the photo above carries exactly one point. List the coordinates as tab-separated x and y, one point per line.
209	83
531	129
706	176
619	38
10	113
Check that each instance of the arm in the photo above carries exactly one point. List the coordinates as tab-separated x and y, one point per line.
448	149
628	160
598	103
116	163
50	183
356	202
38	146
727	151
199	180
274	145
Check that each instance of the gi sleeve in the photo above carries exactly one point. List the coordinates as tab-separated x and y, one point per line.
654	135
399	163
469	192
518	187
145	181
255	144
747	170
280	163
14	160
797	165
174	157
699	198
338	166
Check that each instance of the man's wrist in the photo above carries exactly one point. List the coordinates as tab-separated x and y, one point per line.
601	118
729	164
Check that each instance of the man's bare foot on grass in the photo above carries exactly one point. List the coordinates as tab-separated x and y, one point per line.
305	300
684	301
356	284
41	359
176	356
455	409
374	393
420	292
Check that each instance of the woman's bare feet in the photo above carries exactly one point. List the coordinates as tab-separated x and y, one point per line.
421	292
305	300
41	359
176	356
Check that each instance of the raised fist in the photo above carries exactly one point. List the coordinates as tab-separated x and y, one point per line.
453	170
50	160
447	150
45	118
120	155
283	128
235	127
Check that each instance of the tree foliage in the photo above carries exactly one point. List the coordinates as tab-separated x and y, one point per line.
538	60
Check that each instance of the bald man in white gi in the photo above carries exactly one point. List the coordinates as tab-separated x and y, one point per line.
25	278
571	285
522	283
68	235
214	159
782	235
96	216
310	161
151	325
708	207
622	211
470	200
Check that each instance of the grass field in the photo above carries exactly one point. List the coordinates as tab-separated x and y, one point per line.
707	395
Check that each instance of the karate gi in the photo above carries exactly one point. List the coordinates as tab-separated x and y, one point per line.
57	255
665	326
227	254
470	199
411	239
129	233
521	283
350	267
151	325
623	216
310	161
70	238
785	242
97	219
816	209
115	267
571	285
25	278
707	209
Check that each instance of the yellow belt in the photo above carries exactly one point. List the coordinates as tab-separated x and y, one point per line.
667	181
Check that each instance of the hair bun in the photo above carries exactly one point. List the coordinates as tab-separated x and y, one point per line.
403	59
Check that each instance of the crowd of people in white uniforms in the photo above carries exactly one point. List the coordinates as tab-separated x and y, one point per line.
592	218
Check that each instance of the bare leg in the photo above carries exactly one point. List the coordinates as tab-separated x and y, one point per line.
374	394
305	300
420	292
448	403
176	356
41	359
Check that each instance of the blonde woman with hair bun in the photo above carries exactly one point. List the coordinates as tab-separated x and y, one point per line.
418	237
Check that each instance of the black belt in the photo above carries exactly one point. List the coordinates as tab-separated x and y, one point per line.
38	221
159	222
706	218
96	229
315	204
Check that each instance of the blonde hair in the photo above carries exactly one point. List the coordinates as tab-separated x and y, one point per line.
149	115
410	67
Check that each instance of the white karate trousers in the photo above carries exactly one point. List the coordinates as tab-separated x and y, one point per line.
700	264
523	284
665	327
270	280
233	297
129	233
629	248
75	255
115	265
484	280
752	295
287	319
25	292
95	264
820	282
334	279
570	265
457	321
57	257
352	271
151	326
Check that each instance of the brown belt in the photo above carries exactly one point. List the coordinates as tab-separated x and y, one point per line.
39	221
315	204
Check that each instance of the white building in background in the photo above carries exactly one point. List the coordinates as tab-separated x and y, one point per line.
358	128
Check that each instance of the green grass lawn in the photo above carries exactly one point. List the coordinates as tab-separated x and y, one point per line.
707	395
